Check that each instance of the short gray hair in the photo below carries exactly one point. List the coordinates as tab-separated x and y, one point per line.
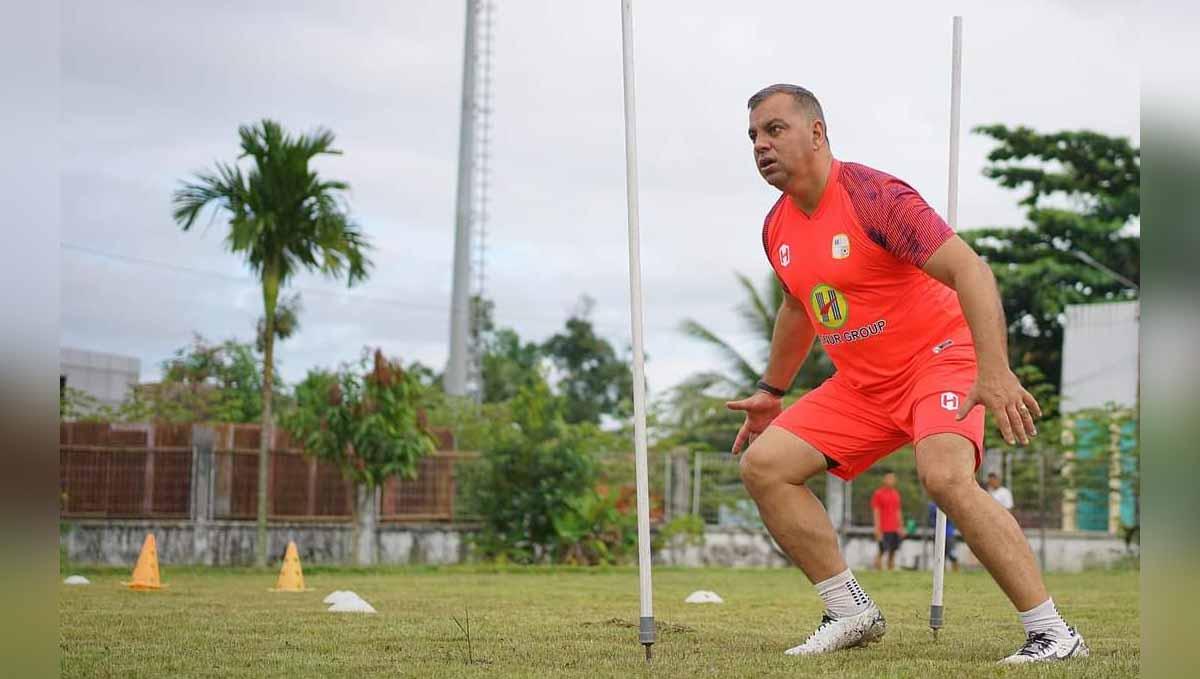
804	99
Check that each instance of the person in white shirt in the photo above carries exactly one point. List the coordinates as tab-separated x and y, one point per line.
999	492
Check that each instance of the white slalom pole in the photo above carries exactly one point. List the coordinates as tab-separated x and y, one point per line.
646	622
939	536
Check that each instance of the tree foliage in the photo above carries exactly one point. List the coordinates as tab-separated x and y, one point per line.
757	312
203	382
592	379
534	468
283	219
1081	194
508	363
580	366
287	321
365	418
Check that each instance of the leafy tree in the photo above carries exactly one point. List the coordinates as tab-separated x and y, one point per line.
78	405
508	364
203	382
757	311
691	416
427	376
1082	202
535	467
283	219
287	322
592	378
365	419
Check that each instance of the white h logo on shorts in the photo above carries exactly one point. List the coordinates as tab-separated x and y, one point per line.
949	400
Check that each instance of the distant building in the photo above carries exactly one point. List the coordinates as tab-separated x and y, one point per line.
106	377
1100	356
1100	367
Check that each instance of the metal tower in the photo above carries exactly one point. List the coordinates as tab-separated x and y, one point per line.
467	208
483	134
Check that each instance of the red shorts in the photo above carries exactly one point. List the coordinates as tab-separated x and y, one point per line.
856	429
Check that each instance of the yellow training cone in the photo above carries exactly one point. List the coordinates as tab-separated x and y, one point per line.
291	576
145	573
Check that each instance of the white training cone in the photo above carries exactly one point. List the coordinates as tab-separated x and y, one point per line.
335	596
77	580
355	605
703	596
342	597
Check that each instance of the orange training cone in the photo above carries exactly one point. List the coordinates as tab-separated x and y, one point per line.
291	576
145	573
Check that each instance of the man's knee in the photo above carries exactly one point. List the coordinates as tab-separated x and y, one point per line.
779	457
755	467
945	465
944	484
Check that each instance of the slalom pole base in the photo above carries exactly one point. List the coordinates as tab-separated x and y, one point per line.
936	619
646	634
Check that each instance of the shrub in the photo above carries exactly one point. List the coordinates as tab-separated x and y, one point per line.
534	469
595	531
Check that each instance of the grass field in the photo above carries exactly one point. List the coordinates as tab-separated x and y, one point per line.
562	623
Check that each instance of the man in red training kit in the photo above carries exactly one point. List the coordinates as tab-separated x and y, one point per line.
912	320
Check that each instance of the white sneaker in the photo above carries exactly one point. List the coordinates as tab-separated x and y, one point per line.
837	633
1045	647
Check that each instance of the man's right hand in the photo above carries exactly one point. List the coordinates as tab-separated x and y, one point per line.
760	408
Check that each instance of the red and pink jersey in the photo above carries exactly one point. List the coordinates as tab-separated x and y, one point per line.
856	263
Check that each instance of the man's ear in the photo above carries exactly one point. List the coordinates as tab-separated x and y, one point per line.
818	134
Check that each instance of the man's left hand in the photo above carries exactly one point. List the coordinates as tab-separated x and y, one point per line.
1011	405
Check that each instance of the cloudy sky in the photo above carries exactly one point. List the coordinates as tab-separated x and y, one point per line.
152	92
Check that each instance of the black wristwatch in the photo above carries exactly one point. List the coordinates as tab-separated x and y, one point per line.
777	393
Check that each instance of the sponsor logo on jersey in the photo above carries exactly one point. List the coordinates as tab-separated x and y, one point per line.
841	246
854	334
829	306
949	400
785	255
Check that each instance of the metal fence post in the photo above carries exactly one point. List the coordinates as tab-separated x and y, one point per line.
680	495
666	486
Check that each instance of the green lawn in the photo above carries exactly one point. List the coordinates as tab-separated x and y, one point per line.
562	623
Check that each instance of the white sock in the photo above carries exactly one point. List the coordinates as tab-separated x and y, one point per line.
1044	618
843	596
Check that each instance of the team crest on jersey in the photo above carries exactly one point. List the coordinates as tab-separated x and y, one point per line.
841	246
829	306
785	255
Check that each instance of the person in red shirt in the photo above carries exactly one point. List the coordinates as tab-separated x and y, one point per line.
912	319
889	521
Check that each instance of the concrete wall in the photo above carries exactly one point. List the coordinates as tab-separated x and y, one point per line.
1065	552
231	543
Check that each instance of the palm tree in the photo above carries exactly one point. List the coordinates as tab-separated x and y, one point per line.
757	312
283	219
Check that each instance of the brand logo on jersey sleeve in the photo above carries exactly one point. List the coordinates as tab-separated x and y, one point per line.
829	306
785	255
841	246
